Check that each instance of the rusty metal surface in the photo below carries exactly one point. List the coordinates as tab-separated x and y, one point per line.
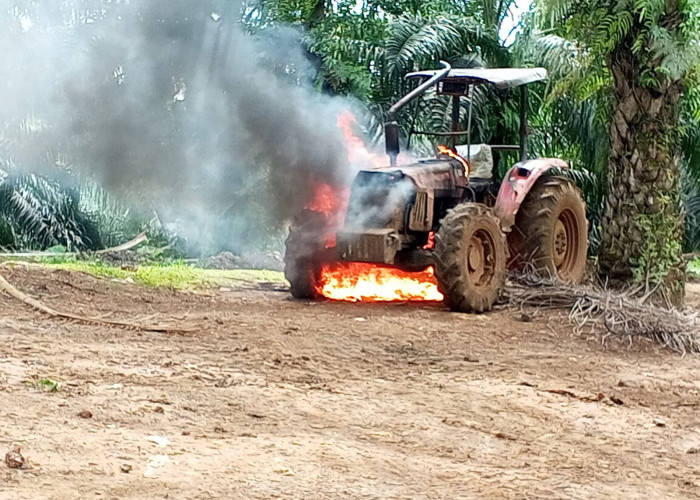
431	174
369	245
517	184
422	213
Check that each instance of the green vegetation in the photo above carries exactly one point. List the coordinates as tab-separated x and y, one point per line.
637	57
40	213
177	275
623	102
660	250
622	105
44	384
694	267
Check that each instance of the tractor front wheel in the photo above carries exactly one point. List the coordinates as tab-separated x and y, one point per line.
302	258
470	258
551	230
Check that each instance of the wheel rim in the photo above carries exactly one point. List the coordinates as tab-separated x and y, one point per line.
565	243
481	258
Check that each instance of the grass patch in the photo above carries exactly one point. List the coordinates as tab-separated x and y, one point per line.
694	268
44	384
177	275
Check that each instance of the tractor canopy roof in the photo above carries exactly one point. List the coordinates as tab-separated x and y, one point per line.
502	78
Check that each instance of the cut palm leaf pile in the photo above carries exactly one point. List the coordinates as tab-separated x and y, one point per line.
621	313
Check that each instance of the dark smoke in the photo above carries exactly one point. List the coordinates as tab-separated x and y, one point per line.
219	130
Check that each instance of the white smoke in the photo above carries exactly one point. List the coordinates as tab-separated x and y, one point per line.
217	129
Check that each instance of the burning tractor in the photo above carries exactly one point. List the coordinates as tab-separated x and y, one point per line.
446	213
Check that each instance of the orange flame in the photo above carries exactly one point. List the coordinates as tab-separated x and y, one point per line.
353	281
444	150
363	282
358	154
431	241
332	202
329	200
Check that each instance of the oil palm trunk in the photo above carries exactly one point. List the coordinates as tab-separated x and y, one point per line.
642	225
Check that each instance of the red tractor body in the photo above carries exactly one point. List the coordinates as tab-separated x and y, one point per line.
448	213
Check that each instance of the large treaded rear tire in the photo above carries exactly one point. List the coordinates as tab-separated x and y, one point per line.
551	230
470	258
304	246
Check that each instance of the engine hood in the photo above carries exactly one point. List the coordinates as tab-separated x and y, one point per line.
432	174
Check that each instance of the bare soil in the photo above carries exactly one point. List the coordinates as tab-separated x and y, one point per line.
275	398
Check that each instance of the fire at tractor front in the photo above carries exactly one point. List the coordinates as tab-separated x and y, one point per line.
358	281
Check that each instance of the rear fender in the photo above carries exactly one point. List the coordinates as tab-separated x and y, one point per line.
517	184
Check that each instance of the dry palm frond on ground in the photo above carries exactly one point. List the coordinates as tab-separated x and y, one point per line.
622	313
12	291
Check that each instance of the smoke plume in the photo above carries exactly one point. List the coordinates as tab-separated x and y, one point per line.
170	100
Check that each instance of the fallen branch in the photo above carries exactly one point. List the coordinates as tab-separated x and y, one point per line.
615	312
125	246
119	248
563	392
8	288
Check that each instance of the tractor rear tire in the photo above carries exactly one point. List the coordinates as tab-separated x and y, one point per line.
302	258
551	230
470	258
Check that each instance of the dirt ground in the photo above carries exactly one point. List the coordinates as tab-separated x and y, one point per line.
275	398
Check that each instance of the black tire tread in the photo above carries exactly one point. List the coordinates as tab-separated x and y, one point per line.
303	246
534	223
453	282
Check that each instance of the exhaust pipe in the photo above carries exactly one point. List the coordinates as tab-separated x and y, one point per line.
391	126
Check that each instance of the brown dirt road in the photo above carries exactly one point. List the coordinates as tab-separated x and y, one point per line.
274	398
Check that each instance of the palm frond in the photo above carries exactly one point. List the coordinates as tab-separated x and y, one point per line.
42	214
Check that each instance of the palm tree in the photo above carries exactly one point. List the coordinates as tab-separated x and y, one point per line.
37	212
366	49
639	55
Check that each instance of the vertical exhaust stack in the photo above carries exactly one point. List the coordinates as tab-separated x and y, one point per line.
391	126
391	137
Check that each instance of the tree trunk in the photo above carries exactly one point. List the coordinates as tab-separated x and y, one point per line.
642	227
318	13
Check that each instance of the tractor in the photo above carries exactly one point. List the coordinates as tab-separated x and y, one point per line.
447	212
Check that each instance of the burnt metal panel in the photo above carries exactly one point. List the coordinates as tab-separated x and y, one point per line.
369	245
421	217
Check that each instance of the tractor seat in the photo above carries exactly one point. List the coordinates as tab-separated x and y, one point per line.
480	160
